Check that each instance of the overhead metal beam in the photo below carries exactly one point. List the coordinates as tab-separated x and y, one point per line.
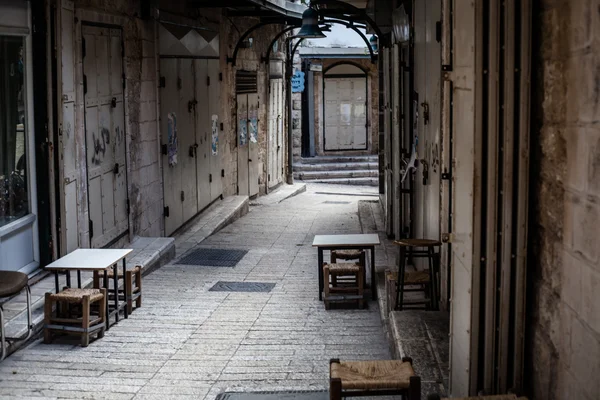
354	13
233	59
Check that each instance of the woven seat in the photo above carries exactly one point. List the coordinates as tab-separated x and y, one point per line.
12	282
74	295
373	378
493	397
132	285
415	277
343	268
417	243
347	254
74	315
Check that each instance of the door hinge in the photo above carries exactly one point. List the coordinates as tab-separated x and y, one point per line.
162	82
447	237
166	211
83	51
208	81
182	195
84	84
91	226
209	178
446	175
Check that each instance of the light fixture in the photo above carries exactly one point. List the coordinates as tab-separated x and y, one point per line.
310	25
401	25
373	42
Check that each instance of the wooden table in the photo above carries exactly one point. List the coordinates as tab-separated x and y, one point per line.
347	242
94	260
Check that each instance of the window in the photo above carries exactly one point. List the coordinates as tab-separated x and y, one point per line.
14	197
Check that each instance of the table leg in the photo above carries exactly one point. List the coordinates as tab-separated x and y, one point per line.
116	283
105	279
68	273
79	279
56	284
373	278
320	267
125	288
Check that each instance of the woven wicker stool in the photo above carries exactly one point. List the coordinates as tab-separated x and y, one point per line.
80	323
348	255
426	280
132	285
347	283
494	397
373	378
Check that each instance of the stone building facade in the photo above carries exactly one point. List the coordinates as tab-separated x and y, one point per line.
564	328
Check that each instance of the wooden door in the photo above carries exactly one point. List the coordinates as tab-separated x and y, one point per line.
345	113
170	143
275	131
243	154
214	114
186	134
203	134
105	134
253	146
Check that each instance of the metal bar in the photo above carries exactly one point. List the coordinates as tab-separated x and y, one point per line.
56	284
116	289
125	288
373	277
320	267
79	279
288	95
105	284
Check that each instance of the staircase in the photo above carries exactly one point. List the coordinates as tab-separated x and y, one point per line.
345	170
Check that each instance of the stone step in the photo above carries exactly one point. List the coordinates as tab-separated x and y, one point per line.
300	167
338	159
347	181
362	173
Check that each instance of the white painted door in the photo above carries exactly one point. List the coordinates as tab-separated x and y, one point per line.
275	132
243	154
105	134
345	113
203	134
253	164
186	134
214	114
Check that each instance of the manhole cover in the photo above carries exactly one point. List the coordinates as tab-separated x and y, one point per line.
256	287
213	257
336	202
291	395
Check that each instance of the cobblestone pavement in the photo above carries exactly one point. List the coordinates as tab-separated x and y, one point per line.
189	342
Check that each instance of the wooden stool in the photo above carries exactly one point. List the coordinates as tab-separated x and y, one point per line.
345	278
494	397
373	378
409	248
81	323
132	285
348	255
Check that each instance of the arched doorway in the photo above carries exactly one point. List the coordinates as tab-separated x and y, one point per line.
345	108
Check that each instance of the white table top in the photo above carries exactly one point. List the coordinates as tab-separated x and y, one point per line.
89	259
367	239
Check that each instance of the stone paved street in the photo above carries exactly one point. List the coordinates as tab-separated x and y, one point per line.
189	342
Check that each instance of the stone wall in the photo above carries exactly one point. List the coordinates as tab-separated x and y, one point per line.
563	336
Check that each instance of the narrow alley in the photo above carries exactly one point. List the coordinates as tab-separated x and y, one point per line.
191	342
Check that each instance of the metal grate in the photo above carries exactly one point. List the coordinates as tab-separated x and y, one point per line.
336	202
213	257
252	287
288	395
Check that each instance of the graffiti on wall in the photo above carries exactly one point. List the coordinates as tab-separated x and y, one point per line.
253	115
215	135
172	138
100	143
243	131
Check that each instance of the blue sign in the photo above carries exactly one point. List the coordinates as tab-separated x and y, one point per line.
298	82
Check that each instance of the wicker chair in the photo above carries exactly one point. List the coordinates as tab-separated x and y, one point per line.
132	285
348	255
75	323
494	397
347	283
373	378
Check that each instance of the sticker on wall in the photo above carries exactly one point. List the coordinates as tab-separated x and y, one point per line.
215	135
345	113
172	144
253	114
243	131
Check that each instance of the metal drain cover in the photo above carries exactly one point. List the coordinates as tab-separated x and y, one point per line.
254	287
336	202
213	257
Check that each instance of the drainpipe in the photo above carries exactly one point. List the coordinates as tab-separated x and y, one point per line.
288	98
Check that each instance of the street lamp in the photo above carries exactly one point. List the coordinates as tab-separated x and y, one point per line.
310	25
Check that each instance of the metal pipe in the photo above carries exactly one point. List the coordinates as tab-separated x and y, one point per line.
288	98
